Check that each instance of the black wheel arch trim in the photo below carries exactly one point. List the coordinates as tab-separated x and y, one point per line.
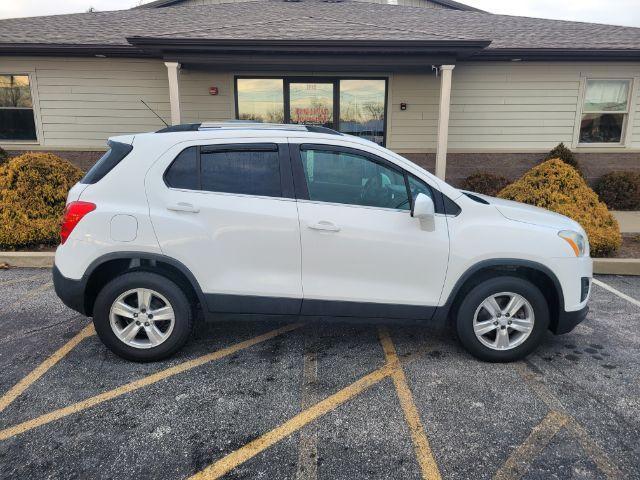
81	285
445	309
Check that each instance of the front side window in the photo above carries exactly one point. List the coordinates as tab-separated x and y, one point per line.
605	110
17	121
352	179
250	171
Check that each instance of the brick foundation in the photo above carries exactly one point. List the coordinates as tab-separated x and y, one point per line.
83	160
513	165
461	165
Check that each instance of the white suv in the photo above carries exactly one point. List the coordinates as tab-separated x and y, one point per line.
295	220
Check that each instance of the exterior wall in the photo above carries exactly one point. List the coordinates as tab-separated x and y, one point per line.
197	105
79	102
503	107
411	3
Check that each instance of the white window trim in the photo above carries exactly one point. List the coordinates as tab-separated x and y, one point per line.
627	125
35	106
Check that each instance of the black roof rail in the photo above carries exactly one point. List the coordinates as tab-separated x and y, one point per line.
183	127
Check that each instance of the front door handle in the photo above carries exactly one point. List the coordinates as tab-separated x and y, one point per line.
183	207
324	226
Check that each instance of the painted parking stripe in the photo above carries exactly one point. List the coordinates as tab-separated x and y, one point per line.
617	292
44	367
253	448
522	457
593	450
307	468
424	454
143	382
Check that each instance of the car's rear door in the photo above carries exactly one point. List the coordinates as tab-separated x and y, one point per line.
362	252
227	212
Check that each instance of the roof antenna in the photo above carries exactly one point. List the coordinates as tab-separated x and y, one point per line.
152	111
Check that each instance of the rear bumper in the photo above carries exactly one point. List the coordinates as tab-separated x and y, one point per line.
567	321
70	291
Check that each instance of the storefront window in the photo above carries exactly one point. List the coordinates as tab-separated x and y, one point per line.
359	103
16	109
362	105
261	99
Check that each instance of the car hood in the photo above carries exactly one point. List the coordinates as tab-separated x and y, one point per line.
521	212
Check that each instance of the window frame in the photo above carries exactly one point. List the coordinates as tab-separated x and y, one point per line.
288	79
282	150
627	124
300	180
35	107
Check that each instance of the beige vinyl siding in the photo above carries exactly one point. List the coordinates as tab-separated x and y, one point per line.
83	101
515	106
197	104
411	3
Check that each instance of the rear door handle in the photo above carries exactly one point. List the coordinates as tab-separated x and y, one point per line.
183	207
324	226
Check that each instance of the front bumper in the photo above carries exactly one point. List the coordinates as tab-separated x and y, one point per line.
71	292
567	321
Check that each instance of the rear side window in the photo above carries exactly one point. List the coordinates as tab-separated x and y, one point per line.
247	169
116	153
250	173
183	172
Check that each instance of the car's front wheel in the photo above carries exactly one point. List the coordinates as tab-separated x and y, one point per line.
502	319
142	316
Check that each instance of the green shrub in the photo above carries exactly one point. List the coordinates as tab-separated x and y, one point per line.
556	186
564	154
485	183
620	190
33	191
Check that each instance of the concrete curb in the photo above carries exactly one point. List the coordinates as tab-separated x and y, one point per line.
616	266
28	259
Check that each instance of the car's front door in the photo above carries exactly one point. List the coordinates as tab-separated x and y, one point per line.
227	212
362	252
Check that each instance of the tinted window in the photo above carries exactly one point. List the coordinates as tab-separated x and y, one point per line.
341	177
16	108
183	172
418	186
116	153
246	172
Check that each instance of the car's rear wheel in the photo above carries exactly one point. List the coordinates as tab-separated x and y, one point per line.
502	319
142	316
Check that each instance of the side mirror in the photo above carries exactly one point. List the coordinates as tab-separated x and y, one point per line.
423	207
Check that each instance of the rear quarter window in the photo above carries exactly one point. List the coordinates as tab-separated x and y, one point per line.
116	153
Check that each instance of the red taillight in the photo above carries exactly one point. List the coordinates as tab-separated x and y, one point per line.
72	216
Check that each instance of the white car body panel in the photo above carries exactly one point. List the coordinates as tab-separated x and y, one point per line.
262	246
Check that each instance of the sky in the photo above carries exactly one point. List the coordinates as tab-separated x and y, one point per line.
615	12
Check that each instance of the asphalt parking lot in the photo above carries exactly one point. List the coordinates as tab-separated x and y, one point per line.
274	399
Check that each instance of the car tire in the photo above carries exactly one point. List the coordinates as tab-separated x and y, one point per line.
490	331
156	338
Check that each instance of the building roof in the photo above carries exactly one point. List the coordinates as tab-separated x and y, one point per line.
445	3
129	32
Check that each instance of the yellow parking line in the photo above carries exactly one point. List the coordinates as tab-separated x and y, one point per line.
253	448
603	462
308	451
143	382
520	460
427	462
29	294
599	457
41	369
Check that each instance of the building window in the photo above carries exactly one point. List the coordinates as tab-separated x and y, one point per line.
260	99
17	121
349	105
605	111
